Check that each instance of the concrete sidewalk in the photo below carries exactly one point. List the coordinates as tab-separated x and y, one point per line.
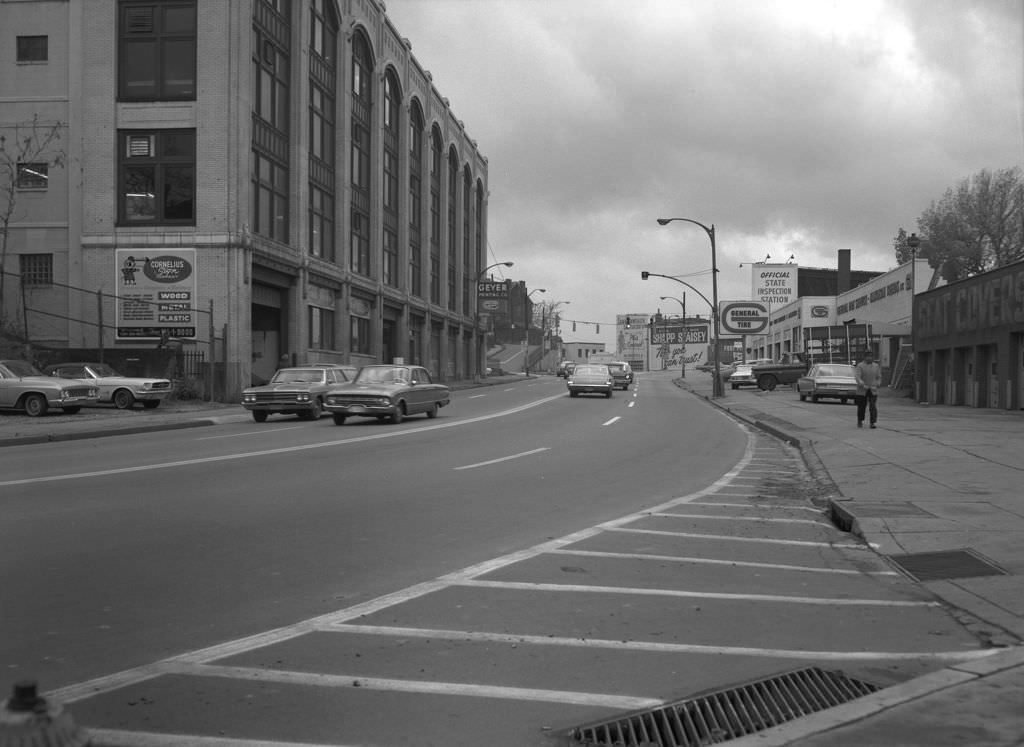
937	490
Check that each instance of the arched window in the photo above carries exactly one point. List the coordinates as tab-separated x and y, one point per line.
453	205
362	104
389	177
416	200
436	164
322	128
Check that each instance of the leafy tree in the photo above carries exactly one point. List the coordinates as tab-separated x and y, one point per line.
976	226
33	142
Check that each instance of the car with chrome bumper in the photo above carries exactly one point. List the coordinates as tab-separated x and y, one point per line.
121	391
828	380
622	374
590	378
387	392
24	387
293	391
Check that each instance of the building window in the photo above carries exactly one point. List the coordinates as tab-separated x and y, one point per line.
36	269
157	177
359	332
33	176
271	164
321	328
321	224
322	129
360	259
33	48
390	259
157	53
453	188
416	201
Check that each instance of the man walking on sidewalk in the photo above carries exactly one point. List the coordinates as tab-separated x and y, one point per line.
869	378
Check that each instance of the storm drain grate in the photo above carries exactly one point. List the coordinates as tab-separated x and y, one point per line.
726	714
938	566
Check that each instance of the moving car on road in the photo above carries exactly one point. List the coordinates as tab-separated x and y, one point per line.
122	391
590	378
387	393
293	391
25	387
622	374
835	380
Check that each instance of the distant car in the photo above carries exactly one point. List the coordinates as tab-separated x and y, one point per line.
835	380
122	391
565	368
743	375
590	378
622	374
24	387
293	391
387	393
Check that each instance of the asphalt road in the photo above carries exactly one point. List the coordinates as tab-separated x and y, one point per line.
523	563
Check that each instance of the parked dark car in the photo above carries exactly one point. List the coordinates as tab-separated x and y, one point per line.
24	387
565	368
834	380
388	393
293	391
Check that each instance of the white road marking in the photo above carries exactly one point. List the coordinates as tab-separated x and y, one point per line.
632	591
726	537
713	561
111	738
631	404
726	517
758	504
502	459
262	431
609	422
279	450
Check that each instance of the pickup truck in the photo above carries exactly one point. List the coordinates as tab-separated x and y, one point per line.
786	370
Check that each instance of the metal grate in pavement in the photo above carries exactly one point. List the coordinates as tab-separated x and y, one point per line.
726	714
946	564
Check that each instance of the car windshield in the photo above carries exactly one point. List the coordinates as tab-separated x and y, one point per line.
835	369
382	375
591	370
102	369
22	368
298	376
616	367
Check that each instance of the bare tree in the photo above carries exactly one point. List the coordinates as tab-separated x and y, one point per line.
29	143
975	227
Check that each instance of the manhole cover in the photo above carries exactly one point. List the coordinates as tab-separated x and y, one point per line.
722	715
938	566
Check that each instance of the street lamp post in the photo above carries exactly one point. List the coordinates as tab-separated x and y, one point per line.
644	275
683	304
716	386
913	242
526	326
476	316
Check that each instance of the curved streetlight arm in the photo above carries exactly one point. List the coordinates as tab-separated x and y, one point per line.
644	275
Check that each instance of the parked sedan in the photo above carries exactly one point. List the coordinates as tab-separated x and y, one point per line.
24	387
387	393
835	380
742	375
590	378
622	374
294	391
122	391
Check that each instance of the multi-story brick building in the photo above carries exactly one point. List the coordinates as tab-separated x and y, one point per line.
256	179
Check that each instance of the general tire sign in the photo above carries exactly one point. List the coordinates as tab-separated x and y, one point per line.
743	317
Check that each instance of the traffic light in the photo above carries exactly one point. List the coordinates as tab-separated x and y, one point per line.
628	322
574	326
597	328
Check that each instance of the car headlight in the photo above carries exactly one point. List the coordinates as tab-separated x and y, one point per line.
248	397
303	397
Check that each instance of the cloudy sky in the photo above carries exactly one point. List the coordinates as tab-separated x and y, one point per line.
796	127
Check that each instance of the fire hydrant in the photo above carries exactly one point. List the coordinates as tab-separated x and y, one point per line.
28	720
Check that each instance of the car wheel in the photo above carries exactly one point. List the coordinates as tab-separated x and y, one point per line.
573	394
151	404
608	395
767	382
735	386
259	416
842	400
803	397
35	405
71	410
123	399
814	398
432	411
315	411
339	419
398	415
